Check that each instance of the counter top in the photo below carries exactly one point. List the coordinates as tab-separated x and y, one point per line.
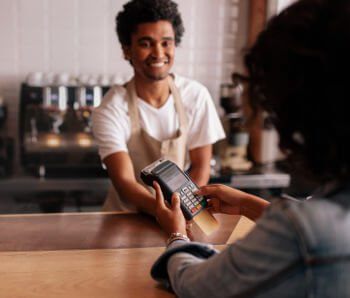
95	230
115	273
87	255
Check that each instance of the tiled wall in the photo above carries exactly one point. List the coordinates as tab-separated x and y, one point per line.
77	36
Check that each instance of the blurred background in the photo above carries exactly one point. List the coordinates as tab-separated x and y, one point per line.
59	57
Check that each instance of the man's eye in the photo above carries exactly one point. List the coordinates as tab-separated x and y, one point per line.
167	44
145	44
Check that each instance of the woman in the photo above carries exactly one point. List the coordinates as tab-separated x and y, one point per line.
298	73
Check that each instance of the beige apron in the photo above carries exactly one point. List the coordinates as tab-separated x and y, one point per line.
144	149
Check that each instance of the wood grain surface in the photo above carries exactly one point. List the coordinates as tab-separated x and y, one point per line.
87	254
73	274
100	230
114	273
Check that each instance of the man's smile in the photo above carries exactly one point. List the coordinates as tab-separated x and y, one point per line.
158	64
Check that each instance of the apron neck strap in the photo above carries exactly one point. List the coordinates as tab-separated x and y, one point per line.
178	103
133	109
132	106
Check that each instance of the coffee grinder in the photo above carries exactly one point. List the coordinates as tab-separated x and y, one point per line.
233	153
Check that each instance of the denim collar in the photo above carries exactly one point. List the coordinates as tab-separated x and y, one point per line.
334	191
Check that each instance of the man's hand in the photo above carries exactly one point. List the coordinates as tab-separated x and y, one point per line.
170	218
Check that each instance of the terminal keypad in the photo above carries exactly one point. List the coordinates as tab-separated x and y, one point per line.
193	202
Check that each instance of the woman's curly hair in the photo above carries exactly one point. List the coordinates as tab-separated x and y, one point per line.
298	71
145	11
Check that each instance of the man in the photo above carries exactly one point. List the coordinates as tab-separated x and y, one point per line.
156	114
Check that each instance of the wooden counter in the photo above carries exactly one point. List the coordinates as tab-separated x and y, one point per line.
93	231
103	273
86	254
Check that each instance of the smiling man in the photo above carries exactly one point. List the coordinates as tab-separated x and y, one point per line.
156	114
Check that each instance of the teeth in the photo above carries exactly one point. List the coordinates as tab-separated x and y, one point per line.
159	64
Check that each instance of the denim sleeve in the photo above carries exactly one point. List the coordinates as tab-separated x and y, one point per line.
245	265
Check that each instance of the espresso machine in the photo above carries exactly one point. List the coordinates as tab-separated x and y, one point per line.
55	129
88	96
6	144
233	151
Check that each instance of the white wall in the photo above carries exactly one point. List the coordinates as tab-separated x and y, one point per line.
282	4
275	6
77	36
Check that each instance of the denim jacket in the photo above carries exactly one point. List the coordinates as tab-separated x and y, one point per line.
297	249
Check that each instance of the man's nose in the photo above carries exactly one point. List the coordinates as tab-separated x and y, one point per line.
158	51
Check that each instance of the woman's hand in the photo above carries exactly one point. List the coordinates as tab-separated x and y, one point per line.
170	218
225	199
222	199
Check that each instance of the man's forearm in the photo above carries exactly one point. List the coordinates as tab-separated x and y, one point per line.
200	164
120	170
200	175
136	194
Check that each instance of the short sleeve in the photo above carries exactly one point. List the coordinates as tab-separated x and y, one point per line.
204	124
111	124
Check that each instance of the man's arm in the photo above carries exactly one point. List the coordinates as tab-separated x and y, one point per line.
121	172
200	164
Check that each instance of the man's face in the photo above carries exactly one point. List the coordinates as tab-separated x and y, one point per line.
152	50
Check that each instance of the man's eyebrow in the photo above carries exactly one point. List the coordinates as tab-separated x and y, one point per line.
148	38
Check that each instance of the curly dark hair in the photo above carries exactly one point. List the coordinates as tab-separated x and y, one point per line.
298	71
144	11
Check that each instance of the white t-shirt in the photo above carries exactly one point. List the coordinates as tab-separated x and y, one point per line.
111	123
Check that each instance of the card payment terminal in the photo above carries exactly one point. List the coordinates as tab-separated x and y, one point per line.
172	179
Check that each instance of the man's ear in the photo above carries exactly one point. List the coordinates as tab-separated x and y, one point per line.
126	52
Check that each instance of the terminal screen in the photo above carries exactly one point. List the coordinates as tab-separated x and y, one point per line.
177	181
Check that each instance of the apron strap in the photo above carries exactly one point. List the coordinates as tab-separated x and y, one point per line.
132	107
183	123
